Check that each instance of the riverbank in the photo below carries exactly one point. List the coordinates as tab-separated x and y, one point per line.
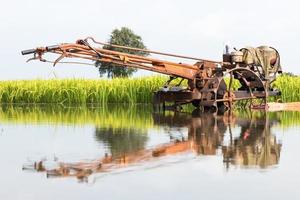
292	106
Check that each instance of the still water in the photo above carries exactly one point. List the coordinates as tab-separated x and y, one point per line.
122	152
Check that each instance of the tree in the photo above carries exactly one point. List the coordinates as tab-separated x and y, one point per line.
288	74
123	37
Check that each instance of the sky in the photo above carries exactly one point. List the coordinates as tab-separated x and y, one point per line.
192	27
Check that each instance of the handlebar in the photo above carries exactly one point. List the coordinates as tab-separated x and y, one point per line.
31	51
28	51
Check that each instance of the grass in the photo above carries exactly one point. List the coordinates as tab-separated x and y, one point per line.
289	87
80	91
119	90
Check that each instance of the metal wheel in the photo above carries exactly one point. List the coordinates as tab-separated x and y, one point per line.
248	80
196	103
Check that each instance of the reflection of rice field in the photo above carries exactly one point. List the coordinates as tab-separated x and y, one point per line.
112	116
109	117
119	90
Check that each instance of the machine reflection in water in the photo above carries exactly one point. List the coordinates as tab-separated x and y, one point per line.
255	146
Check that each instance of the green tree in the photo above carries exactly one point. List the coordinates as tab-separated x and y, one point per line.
288	74
123	37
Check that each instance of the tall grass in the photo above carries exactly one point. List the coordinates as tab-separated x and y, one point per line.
289	87
119	90
80	91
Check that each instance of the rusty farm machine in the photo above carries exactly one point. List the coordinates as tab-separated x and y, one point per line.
254	68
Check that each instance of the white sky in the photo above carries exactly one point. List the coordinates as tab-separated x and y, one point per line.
195	28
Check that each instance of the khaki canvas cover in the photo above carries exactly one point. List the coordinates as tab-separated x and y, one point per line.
264	56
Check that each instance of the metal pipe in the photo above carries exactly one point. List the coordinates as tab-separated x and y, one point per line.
150	51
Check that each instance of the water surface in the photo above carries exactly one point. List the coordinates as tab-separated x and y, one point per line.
123	152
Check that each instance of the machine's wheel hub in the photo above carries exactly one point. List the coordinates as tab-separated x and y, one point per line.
229	98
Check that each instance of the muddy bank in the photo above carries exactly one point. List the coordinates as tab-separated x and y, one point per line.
293	106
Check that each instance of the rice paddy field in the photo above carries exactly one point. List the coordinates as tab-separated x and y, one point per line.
80	91
118	90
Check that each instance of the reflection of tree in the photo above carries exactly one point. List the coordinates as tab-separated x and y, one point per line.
256	146
121	141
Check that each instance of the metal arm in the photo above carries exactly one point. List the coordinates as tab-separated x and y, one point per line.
82	49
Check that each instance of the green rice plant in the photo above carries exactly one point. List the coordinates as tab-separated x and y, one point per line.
235	83
102	92
80	91
289	87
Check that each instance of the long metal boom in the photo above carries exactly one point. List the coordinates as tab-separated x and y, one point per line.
150	51
82	49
